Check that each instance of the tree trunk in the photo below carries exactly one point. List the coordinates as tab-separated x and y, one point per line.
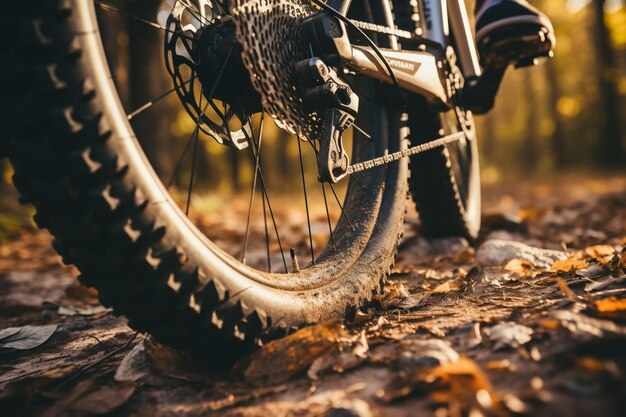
148	80
610	145
529	148
558	139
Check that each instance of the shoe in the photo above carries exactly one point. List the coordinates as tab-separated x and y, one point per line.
513	32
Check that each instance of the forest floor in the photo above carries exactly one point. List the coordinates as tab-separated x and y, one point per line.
530	322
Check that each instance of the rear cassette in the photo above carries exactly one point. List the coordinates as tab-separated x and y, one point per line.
270	35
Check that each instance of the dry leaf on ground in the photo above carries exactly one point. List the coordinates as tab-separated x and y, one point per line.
520	266
134	366
281	359
509	334
83	311
569	265
611	307
27	337
586	327
171	362
600	251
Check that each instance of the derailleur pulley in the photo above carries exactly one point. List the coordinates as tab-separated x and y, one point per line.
334	100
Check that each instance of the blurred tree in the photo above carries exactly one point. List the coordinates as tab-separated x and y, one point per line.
532	122
610	144
148	80
558	141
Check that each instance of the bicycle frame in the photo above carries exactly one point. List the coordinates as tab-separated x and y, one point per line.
419	71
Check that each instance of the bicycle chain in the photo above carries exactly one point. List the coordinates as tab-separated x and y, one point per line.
396	156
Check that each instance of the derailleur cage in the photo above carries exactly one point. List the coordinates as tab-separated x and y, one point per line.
334	100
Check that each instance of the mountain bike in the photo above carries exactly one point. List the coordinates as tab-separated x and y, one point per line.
367	90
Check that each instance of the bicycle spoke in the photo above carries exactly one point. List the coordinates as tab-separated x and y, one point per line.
269	206
193	11
267	236
363	132
169	183
193	170
151	103
357	181
306	200
343	213
253	191
330	227
109	8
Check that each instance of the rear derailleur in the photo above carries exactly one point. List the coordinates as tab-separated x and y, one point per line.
327	94
335	101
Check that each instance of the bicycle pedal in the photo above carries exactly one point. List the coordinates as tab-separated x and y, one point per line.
518	46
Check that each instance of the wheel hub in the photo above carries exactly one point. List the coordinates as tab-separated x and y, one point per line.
221	70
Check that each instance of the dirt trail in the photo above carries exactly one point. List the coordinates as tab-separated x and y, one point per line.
533	322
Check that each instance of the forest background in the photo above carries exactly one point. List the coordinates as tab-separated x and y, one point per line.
561	117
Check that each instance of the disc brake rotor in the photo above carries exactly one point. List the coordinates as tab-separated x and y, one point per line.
193	26
271	40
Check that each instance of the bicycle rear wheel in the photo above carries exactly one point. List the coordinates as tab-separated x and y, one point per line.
78	161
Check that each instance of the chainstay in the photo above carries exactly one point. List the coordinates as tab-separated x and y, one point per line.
396	156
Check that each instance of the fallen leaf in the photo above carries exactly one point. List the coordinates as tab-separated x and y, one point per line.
281	359
105	400
593	271
171	362
600	284
134	366
412	352
442	289
568	265
414	301
520	266
83	311
611	307
600	251
27	337
587	327
396	293
4	333
509	334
